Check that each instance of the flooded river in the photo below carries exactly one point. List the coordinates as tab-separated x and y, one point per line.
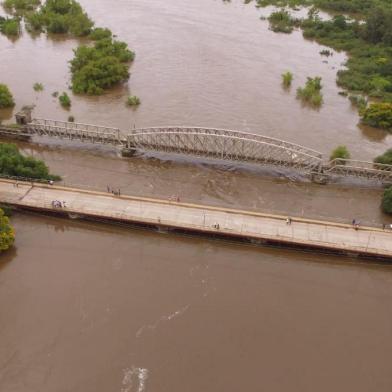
92	308
97	308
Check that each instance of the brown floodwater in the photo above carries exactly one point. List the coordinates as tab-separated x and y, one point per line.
198	63
88	307
97	308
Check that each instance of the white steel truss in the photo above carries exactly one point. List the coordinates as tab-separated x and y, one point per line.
226	145
214	143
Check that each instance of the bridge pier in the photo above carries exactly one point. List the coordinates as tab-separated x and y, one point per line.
319	178
128	152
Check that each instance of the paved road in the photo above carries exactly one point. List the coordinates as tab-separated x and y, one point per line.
247	224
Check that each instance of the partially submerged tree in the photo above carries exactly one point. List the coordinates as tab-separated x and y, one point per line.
6	99
7	235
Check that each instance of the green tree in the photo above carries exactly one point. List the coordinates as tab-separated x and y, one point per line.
100	67
14	164
379	26
7	235
386	203
6	99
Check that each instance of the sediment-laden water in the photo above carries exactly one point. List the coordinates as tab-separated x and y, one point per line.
97	308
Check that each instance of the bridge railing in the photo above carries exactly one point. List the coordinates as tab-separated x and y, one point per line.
355	168
93	133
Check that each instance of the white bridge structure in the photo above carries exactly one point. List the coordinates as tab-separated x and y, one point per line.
218	144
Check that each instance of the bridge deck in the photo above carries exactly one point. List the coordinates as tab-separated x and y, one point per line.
197	218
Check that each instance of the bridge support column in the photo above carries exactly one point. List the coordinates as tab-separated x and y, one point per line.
128	152
319	178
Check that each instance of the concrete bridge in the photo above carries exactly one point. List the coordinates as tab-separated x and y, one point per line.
208	221
229	145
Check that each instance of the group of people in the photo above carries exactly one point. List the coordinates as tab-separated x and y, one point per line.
114	192
58	204
174	198
355	224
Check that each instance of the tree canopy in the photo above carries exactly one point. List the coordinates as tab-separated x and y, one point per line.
13	163
61	17
97	68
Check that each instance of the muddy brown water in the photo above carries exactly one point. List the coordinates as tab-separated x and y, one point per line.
86	307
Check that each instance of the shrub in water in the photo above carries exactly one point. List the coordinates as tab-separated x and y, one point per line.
338	153
287	78
133	100
65	101
281	22
38	87
311	93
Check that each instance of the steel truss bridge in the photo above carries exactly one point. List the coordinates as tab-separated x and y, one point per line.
219	144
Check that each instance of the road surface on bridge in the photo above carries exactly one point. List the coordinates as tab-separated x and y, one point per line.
199	218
